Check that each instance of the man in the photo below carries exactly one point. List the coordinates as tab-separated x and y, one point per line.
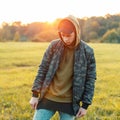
66	75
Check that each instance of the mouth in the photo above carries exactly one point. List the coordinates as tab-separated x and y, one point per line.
67	42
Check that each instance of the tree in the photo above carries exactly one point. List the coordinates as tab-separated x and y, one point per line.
111	36
16	36
93	35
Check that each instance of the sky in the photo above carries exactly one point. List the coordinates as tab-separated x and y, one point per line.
28	11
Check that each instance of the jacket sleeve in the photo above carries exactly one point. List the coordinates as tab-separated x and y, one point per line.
90	79
43	68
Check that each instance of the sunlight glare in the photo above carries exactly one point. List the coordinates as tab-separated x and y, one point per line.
28	11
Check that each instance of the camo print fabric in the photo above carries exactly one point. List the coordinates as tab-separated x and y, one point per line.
84	72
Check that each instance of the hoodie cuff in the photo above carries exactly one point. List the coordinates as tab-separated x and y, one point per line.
85	105
35	94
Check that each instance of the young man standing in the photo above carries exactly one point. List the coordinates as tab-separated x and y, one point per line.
66	75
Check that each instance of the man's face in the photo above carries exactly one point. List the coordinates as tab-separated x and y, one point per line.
68	38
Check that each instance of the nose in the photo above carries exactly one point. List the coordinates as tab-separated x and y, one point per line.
66	39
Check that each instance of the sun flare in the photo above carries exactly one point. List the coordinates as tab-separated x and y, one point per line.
28	11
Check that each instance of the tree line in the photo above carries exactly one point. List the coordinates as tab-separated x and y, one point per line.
94	29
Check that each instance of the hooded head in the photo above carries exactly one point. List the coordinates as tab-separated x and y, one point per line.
66	27
69	25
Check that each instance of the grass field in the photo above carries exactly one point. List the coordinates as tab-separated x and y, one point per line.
18	67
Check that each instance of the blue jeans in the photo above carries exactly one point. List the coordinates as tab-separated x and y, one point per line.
44	114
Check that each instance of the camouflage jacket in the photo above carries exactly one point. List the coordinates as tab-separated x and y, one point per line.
84	72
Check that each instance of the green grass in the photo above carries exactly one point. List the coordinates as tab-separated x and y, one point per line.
18	67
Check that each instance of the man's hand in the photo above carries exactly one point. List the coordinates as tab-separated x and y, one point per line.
82	112
34	102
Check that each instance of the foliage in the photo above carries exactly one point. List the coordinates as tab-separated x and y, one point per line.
92	29
18	67
96	27
16	36
111	36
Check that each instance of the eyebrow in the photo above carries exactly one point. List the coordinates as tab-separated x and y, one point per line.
67	35
64	34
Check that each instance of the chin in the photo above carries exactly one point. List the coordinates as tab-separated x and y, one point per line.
68	43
